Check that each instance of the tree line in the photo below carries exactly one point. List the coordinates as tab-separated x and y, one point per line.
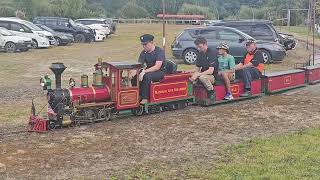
211	9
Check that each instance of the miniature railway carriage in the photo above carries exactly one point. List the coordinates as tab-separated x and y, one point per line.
312	73
114	90
237	88
284	80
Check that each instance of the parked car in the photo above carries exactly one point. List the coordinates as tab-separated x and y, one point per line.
112	25
62	39
67	25
99	36
184	47
12	43
96	24
260	30
26	29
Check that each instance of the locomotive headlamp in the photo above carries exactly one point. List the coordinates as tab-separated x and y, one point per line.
45	82
72	82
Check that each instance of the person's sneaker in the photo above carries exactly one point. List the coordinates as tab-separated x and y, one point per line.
228	96
144	101
246	94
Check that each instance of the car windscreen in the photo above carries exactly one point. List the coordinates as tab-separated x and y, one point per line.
32	26
72	23
5	32
108	21
44	27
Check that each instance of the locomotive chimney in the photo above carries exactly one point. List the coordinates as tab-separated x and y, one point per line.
57	69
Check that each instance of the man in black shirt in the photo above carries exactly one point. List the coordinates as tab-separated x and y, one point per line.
207	66
153	58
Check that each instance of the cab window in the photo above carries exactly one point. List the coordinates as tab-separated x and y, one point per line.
127	78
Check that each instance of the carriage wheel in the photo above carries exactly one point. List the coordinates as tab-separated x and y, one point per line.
104	114
138	111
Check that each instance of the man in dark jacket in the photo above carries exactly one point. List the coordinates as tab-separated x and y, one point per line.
153	58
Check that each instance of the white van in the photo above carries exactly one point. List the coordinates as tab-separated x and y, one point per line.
24	28
12	43
96	24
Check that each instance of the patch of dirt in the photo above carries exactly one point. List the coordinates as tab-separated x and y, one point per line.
171	139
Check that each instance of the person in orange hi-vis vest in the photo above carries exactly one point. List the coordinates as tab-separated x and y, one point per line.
251	67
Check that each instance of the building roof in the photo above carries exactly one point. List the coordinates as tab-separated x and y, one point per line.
124	65
180	16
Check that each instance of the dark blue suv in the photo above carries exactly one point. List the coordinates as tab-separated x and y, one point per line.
66	25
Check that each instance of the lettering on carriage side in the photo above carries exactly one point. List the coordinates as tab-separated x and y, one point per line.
287	80
171	90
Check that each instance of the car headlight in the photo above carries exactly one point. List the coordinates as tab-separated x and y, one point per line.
41	35
64	37
86	31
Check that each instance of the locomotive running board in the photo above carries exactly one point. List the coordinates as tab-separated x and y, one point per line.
210	102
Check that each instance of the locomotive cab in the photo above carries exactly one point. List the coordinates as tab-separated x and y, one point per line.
123	84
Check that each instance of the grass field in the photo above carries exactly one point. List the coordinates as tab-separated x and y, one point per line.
291	156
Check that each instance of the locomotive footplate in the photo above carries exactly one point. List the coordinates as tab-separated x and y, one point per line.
37	124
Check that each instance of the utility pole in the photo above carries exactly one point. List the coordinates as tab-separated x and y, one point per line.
313	27
163	26
288	12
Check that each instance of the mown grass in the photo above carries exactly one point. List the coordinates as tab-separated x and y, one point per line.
292	156
302	30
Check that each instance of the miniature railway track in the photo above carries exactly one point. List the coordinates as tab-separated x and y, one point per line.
13	131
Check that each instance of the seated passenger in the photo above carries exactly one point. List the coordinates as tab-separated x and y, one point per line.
153	58
251	66
207	66
226	67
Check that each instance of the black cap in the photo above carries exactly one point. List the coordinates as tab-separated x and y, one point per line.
146	38
250	41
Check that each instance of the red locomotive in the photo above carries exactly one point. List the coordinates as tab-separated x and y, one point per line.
112	92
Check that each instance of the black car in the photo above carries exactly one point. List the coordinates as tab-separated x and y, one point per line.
184	47
67	25
62	39
260	30
112	25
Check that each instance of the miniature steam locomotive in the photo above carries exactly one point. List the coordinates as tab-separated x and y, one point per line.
113	92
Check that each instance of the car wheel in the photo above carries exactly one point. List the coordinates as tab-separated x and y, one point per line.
190	56
80	38
34	44
10	47
266	56
58	41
